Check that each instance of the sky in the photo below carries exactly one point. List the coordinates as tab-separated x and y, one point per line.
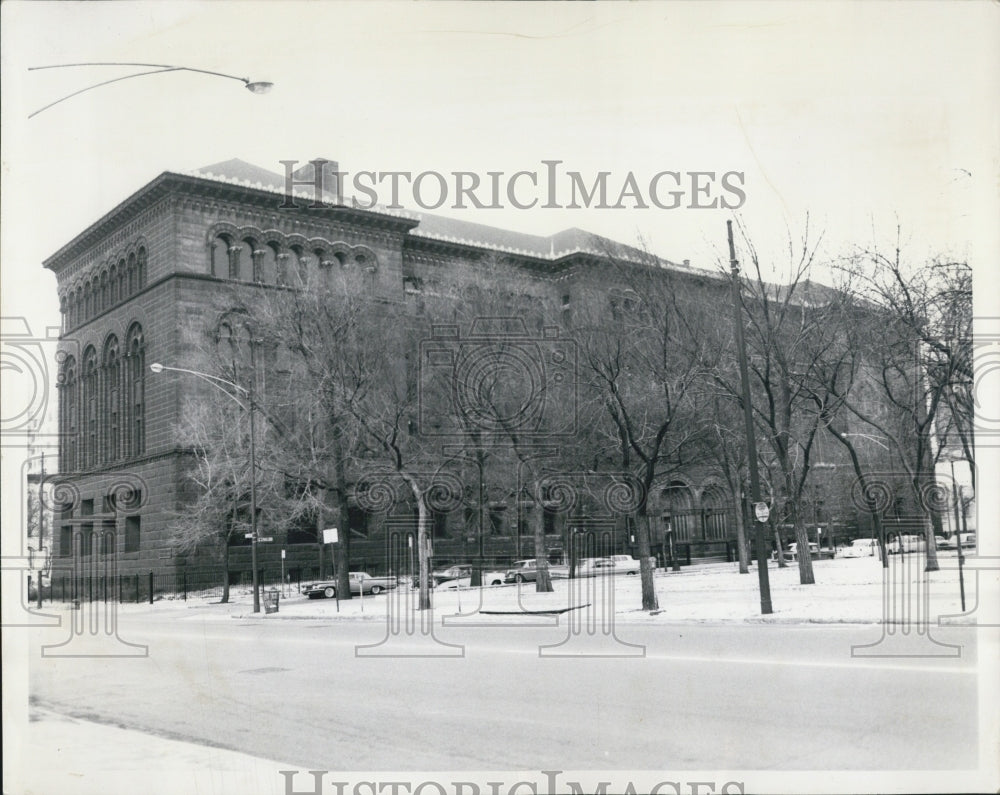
861	117
865	116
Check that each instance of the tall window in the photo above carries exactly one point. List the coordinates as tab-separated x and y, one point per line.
86	300
677	498
135	376
89	407
68	415
140	267
220	256
112	399
133	527
245	260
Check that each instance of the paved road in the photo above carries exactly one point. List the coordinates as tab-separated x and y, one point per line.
703	697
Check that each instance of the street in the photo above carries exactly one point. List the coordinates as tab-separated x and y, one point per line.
705	696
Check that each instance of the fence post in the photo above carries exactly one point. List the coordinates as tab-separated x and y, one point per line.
184	583
151	587
137	600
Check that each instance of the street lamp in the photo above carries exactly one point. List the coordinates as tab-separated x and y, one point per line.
741	349
253	86
250	407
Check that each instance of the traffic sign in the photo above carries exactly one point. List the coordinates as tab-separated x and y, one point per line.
330	535
265	540
761	511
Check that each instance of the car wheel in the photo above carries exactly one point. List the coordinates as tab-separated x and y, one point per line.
497	582
329	593
519	578
631	572
376	590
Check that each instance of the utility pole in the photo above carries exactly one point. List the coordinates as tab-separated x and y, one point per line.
762	575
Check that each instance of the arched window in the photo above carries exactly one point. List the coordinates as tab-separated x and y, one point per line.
220	256
135	392
90	408
86	300
105	292
113	285
68	415
123	290
300	264
268	265
679	510
112	399
140	267
131	275
245	260
714	513
64	311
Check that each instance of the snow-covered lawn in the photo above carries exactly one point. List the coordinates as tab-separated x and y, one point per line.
856	590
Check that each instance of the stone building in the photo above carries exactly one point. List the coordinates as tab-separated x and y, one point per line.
135	283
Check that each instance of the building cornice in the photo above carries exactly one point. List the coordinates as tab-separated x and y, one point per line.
255	195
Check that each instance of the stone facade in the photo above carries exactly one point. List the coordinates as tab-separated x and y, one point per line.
142	282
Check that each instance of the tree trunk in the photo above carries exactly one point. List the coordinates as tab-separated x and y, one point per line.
741	534
806	576
643	529
543	580
225	569
423	548
931	543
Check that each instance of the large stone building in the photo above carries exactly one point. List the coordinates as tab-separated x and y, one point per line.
135	283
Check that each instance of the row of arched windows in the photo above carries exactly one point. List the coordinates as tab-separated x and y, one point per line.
102	403
277	261
116	282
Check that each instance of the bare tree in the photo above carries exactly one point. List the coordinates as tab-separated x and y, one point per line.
919	364
636	368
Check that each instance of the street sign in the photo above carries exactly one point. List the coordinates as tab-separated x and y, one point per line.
330	535
248	535
761	511
265	540
282	554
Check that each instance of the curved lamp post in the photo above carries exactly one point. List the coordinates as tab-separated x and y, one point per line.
254	86
217	382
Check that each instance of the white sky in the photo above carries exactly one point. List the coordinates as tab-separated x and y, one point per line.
863	114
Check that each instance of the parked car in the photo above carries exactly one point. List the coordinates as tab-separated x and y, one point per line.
966	540
455	572
595	567
361	583
626	564
860	548
522	571
489	578
793	550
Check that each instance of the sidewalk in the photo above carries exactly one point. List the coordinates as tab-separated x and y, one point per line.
70	756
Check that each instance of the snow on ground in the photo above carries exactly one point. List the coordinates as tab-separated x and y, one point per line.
852	590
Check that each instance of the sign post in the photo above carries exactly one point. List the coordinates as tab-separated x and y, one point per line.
330	537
